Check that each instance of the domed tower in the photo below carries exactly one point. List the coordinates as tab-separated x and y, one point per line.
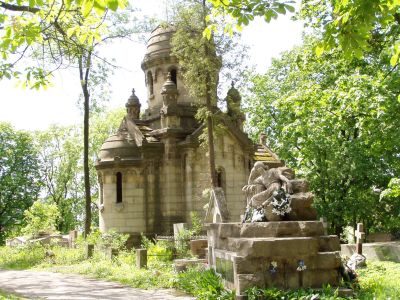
157	64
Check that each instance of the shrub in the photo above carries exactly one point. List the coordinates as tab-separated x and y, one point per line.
203	284
41	217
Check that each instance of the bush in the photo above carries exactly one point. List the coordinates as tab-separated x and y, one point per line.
103	240
160	250
203	284
41	217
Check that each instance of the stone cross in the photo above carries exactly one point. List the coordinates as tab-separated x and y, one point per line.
360	235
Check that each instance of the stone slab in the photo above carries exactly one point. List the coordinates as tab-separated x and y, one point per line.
274	247
387	251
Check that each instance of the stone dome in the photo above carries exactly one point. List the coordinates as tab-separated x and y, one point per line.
158	45
118	147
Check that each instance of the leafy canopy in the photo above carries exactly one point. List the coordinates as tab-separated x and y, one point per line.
349	25
28	24
336	122
19	177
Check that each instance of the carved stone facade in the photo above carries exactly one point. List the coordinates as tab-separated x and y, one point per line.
153	171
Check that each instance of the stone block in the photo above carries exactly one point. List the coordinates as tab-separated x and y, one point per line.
245	281
141	258
319	278
111	253
89	249
329	243
198	247
300	185
181	265
301	200
274	247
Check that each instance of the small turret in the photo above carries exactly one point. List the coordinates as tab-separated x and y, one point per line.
169	92
133	106
233	101
168	112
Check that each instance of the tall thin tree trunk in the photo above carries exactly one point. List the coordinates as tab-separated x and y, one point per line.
210	135
84	75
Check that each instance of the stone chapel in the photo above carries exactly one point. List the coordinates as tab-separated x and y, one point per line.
153	171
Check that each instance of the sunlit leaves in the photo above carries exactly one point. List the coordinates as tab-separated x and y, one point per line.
29	24
335	121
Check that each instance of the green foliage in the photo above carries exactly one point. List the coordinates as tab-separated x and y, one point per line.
121	269
380	280
326	293
57	27
390	200
41	217
320	115
104	240
8	296
19	177
355	27
60	153
20	258
204	284
185	235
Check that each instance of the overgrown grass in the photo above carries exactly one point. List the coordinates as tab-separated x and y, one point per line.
380	280
121	269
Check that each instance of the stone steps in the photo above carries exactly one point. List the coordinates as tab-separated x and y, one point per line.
282	246
268	229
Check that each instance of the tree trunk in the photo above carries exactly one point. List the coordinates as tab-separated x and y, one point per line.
210	135
84	75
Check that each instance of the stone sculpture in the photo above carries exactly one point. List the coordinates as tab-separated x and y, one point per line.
267	193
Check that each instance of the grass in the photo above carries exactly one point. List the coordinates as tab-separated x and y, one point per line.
121	269
4	295
380	280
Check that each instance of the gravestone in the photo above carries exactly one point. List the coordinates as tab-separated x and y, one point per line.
89	251
141	258
111	253
73	235
360	235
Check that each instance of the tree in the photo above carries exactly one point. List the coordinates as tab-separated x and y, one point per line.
19	177
60	152
335	121
201	70
350	25
41	217
26	24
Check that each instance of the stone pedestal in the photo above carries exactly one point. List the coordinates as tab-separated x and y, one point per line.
284	254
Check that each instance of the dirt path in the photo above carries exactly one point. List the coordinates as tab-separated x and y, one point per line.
48	285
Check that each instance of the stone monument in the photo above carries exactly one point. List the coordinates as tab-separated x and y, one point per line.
287	249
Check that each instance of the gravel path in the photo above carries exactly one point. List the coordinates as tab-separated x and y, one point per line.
48	285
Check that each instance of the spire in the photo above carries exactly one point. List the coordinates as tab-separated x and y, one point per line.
169	87
133	106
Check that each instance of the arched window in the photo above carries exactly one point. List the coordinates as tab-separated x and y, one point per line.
221	177
173	76
150	82
119	186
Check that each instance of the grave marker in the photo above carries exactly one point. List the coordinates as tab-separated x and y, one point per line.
360	235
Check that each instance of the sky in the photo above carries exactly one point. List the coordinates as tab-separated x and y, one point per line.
36	110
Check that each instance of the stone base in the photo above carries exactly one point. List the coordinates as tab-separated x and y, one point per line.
284	254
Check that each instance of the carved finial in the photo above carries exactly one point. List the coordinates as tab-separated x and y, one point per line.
133	91
232	84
